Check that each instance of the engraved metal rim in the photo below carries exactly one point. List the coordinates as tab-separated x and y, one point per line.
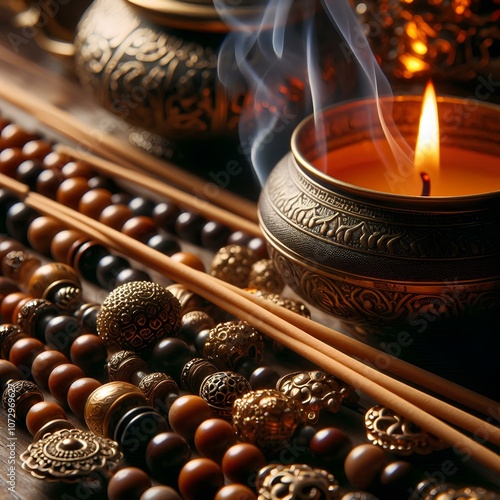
428	201
430	287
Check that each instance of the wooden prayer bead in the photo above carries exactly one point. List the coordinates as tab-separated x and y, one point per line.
77	168
48	182
94	201
62	243
200	478
128	483
42	413
235	492
41	233
189	259
78	393
213	438
187	413
140	228
71	191
10	303
23	352
363	464
241	463
44	363
60	380
115	216
89	353
8	371
27	172
36	149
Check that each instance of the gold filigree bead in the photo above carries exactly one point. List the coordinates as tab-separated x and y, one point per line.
233	264
108	403
265	277
267	418
136	315
9	335
395	433
122	365
231	342
277	481
69	455
32	311
317	391
20	395
157	387
194	373
221	389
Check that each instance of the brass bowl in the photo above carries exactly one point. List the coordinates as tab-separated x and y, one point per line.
386	263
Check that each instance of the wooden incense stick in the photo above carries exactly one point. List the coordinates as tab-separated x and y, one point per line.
289	335
196	204
115	149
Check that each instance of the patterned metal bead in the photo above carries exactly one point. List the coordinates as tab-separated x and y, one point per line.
264	276
188	300
9	335
19	396
429	489
50	277
194	373
231	342
123	364
67	298
32	311
157	387
293	305
267	418
296	481
233	264
397	434
194	322
136	315
69	455
221	389
108	403
18	266
316	391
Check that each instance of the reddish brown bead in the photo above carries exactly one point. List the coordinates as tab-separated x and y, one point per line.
187	413
330	444
258	247
10	304
24	351
42	413
55	160
60	380
160	492
363	464
43	365
7	287
77	168
189	259
93	202
200	478
214	437
16	136
10	159
8	245
235	492
36	149
71	191
41	233
8	371
89	353
9	335
140	228
241	463
48	181
78	393
128	483
166	454
115	216
63	242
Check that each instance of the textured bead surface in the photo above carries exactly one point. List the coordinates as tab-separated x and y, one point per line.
232	264
264	276
19	396
136	315
52	275
122	365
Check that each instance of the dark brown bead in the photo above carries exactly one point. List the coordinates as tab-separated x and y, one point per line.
63	242
24	351
27	172
263	377
60	380
19	266
330	443
235	492
86	257
363	465
128	483
165	214
78	393
166	454
108	268
8	245
9	335
61	331
395	478
193	323
36	149
21	395
115	216
239	238
77	168
41	233
18	220
48	182
89	353
140	227
71	191
94	201
200	478
7	286
164	243
55	160
188	227
170	355
10	159
213	438
42	413
189	259
141	206
43	365
16	136
9	305
8	371
33	316
258	247
160	492
214	235
187	413
241	463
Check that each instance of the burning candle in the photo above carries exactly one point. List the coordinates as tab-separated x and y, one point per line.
440	167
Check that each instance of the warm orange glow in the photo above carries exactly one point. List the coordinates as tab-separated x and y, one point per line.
427	148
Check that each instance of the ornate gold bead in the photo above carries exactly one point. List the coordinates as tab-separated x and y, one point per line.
9	335
136	315
230	342
20	395
233	264
267	418
108	403
32	311
264	276
123	364
157	387
51	276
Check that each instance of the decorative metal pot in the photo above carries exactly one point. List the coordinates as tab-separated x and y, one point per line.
386	263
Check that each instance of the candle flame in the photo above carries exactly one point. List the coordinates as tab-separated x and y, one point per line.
427	148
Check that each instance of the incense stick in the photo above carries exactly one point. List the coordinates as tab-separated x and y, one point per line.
198	205
115	149
288	335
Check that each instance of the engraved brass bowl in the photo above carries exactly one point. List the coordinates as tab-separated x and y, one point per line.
386	263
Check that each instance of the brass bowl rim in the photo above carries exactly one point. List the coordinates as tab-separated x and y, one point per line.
423	201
